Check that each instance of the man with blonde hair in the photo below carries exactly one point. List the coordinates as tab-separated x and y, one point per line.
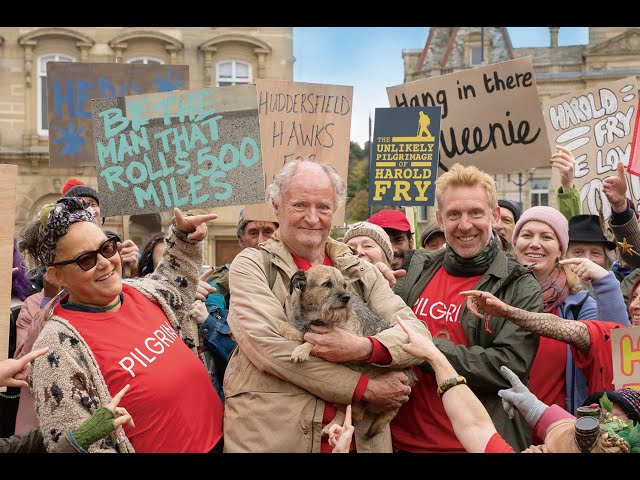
273	405
467	211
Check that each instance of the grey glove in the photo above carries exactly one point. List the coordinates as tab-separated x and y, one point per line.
519	397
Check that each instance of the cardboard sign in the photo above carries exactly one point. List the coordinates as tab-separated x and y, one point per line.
186	149
404	156
491	115
626	357
302	120
8	180
71	86
597	126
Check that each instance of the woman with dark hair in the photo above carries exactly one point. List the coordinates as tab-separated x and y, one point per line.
21	287
104	333
151	254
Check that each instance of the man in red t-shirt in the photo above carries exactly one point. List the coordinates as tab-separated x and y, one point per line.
467	211
272	404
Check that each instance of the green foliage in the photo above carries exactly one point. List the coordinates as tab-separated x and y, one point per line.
605	403
358	207
616	428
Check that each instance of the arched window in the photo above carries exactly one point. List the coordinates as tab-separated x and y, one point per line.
146	60
233	72
43	99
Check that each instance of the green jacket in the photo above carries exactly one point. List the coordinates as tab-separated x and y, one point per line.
569	203
502	343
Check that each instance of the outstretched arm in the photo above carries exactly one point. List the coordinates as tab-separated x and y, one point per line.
471	421
547	325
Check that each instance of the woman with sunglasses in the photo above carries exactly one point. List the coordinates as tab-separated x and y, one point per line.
103	333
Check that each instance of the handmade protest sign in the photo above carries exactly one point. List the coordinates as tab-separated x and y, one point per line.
491	115
187	149
596	124
71	86
302	121
404	156
8	180
626	357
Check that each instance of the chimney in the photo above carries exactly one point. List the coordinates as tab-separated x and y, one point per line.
554	36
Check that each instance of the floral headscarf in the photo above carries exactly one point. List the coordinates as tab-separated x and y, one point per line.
55	220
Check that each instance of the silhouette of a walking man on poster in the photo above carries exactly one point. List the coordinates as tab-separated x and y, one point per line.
423	127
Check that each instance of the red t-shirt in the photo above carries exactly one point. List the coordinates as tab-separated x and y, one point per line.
380	355
597	364
497	444
422	425
547	379
171	400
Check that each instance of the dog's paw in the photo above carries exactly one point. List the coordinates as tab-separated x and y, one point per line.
299	355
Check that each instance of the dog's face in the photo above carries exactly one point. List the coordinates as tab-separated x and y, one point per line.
322	295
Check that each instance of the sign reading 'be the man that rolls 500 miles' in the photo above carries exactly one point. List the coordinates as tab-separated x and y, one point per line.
186	149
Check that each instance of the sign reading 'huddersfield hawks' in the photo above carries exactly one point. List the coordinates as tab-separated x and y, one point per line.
404	156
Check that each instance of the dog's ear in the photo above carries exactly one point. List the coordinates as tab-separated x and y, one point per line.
299	280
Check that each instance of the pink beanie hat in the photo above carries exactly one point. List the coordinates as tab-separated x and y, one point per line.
551	217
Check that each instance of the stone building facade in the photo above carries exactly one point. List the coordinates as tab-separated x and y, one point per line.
215	56
612	53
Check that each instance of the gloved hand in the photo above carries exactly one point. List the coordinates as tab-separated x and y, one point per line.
519	397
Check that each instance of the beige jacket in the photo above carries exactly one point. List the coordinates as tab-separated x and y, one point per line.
273	405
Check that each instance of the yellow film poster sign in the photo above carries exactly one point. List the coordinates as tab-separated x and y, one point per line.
404	156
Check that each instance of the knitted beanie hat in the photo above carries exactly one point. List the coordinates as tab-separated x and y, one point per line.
77	188
375	232
551	217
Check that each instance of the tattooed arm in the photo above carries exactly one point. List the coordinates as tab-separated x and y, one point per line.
547	325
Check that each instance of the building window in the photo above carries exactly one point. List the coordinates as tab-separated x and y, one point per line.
423	214
539	192
233	72
146	61
475	56
43	99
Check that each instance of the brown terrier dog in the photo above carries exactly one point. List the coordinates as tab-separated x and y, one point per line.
319	296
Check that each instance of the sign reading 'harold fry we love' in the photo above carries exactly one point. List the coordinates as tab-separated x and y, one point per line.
597	126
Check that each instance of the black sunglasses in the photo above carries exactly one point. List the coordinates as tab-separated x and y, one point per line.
88	260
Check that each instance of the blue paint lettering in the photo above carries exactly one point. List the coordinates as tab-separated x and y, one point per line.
227	190
136	110
146	195
108	151
255	151
235	157
62	98
195	184
185	166
142	173
204	158
85	93
112	175
111	117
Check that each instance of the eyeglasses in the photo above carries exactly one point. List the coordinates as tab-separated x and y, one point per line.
88	260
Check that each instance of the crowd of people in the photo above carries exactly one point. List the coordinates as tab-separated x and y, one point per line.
505	317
